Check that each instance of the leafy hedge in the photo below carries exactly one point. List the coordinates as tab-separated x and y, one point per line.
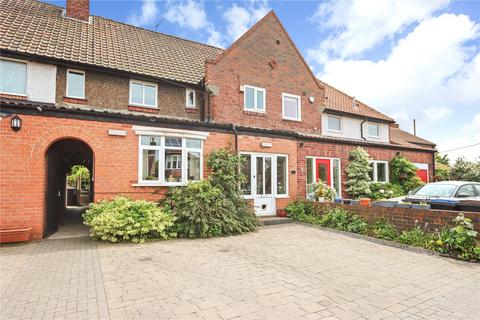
382	190
458	240
123	219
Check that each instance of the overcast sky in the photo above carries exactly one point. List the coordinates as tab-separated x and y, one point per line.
406	58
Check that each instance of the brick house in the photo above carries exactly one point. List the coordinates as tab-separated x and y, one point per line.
143	109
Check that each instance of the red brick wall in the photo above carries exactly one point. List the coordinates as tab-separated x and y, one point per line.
406	219
249	62
331	150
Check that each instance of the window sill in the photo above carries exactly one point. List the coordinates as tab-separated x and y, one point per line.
75	100
255	113
13	96
159	184
191	109
291	119
282	196
143	109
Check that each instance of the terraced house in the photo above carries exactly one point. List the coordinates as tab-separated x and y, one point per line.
143	109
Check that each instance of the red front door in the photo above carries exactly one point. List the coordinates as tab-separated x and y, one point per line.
423	175
323	171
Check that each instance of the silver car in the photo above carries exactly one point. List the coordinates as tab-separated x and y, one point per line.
448	190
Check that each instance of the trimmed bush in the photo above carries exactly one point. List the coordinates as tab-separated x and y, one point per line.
123	219
338	218
358	174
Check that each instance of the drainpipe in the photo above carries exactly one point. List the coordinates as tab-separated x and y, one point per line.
234	129
361	129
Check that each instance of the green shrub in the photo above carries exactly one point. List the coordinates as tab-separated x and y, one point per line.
404	173
213	207
415	237
303	211
383	229
123	219
385	190
459	241
358	173
202	210
341	219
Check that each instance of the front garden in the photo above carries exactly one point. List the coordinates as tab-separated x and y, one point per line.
208	208
458	240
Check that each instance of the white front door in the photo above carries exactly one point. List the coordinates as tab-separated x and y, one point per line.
263	184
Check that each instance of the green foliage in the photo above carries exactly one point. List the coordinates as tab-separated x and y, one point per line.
123	219
415	237
442	174
383	229
459	241
213	207
466	170
321	189
80	174
442	159
385	190
341	219
404	173
303	211
358	174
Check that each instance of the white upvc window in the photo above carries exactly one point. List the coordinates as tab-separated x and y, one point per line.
190	98
373	130
380	172
143	94
13	77
291	107
75	84
169	160
334	124
254	98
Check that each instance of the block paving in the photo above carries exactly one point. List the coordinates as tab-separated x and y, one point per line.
280	272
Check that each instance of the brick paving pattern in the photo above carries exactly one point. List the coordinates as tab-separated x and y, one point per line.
280	272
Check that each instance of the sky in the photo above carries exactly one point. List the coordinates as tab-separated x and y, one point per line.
410	59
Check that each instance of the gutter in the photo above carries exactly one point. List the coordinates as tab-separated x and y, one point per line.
235	132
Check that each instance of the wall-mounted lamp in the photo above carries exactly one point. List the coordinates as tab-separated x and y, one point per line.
16	123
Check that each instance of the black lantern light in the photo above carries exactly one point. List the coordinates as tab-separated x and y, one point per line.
16	123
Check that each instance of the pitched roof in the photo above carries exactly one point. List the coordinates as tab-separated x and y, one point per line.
404	138
336	100
36	28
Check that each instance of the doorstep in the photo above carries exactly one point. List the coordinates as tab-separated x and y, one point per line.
273	220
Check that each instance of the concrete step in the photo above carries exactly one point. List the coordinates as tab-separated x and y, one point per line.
269	221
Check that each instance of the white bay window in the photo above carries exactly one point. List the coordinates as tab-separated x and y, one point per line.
379	171
169	160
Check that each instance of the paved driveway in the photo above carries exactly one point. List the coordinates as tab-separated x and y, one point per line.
280	272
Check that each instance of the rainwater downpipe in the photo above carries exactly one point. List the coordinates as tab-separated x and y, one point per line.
361	129
234	129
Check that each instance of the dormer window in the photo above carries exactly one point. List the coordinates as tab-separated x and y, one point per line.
291	107
334	124
143	94
76	84
254	99
373	130
190	98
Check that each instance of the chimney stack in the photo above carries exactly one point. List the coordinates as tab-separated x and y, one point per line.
78	9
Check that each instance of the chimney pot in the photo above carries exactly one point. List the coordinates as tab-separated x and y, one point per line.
78	9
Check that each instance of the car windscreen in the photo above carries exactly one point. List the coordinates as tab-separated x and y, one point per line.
436	190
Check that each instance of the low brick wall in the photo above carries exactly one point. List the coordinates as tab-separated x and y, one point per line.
404	219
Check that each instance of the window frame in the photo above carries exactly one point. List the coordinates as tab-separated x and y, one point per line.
162	165
341	124
194	105
26	77
143	83
67	87
255	99
299	106
314	172
368	130
375	171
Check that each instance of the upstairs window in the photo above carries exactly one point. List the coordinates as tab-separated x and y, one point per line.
379	171
254	99
291	107
13	77
76	84
190	98
373	130
334	124
143	94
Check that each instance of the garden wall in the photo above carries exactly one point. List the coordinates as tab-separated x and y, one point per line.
404	219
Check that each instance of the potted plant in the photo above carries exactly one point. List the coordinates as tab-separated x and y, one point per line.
338	200
385	203
323	192
282	213
347	201
15	235
405	205
365	201
421	205
355	202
